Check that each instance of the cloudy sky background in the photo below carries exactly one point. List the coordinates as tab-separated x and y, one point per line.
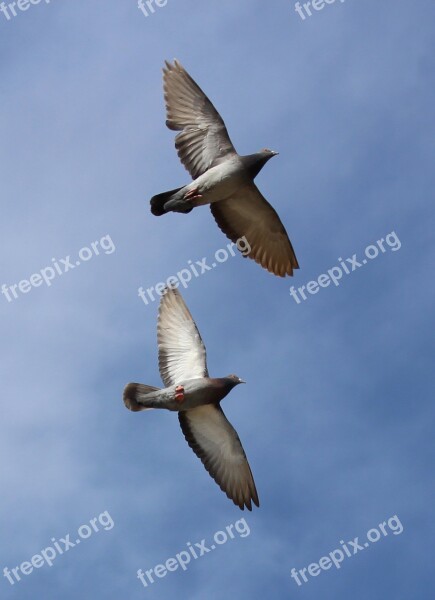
337	415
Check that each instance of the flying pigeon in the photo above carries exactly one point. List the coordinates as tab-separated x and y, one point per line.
221	177
196	397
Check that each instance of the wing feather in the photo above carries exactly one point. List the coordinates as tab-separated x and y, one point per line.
251	216
203	141
215	441
182	353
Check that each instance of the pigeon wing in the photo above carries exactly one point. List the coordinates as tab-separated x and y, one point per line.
215	441
203	141
250	215
182	352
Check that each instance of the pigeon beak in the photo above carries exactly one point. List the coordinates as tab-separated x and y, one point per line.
275	153
241	380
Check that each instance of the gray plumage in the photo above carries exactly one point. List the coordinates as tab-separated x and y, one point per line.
221	177
190	391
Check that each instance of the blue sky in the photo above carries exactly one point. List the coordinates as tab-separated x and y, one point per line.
336	417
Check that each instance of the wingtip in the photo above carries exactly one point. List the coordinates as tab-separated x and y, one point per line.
168	290
254	498
247	503
170	66
244	501
171	298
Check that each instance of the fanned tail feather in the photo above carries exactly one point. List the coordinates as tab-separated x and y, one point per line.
135	396
158	202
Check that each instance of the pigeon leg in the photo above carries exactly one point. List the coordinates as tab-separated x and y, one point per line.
193	195
179	394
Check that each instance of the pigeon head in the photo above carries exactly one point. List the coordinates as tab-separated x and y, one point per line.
234	380
269	153
255	162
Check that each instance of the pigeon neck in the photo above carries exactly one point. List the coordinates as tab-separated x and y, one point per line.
254	163
224	383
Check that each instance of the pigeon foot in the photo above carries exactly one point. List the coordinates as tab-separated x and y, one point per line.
179	394
193	195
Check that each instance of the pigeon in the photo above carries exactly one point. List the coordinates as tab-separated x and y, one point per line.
196	397
221	177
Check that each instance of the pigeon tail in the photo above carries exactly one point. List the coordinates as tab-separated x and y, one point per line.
135	396
158	202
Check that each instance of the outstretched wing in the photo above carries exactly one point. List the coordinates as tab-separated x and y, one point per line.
203	141
182	352
215	441
250	215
